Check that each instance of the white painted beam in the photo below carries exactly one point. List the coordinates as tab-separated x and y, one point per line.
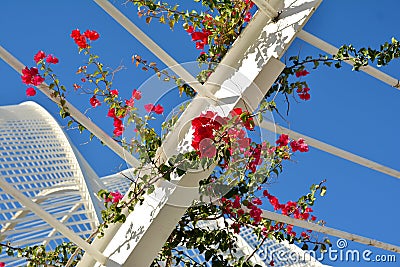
331	149
329	231
330	49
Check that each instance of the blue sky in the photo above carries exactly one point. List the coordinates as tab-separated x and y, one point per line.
347	109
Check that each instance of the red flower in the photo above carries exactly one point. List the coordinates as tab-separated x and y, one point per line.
114	92
247	17
283	140
157	109
94	101
37	80
301	73
190	29
75	34
116	196
136	94
30	92
81	41
198	36
149	107
130	102
39	56
303	93
299	145
30	76
257	201
313	218
92	35
200	45
51	59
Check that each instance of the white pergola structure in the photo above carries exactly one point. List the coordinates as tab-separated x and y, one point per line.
254	57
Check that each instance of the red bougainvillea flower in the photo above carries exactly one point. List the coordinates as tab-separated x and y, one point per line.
91	35
30	91
201	38
2	264
81	41
299	145
94	101
303	93
283	140
118	126
37	80
31	76
250	3
130	102
51	59
39	56
190	29
136	94
114	92
247	17
75	34
151	108
158	109
301	73
117	196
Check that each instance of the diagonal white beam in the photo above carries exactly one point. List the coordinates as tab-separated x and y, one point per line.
75	113
153	47
330	49
329	231
64	230
139	239
331	149
63	220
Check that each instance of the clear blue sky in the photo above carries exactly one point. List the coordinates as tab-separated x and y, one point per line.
350	110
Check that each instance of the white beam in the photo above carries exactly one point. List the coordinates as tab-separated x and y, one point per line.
330	49
329	231
75	113
153	47
139	239
68	233
331	149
